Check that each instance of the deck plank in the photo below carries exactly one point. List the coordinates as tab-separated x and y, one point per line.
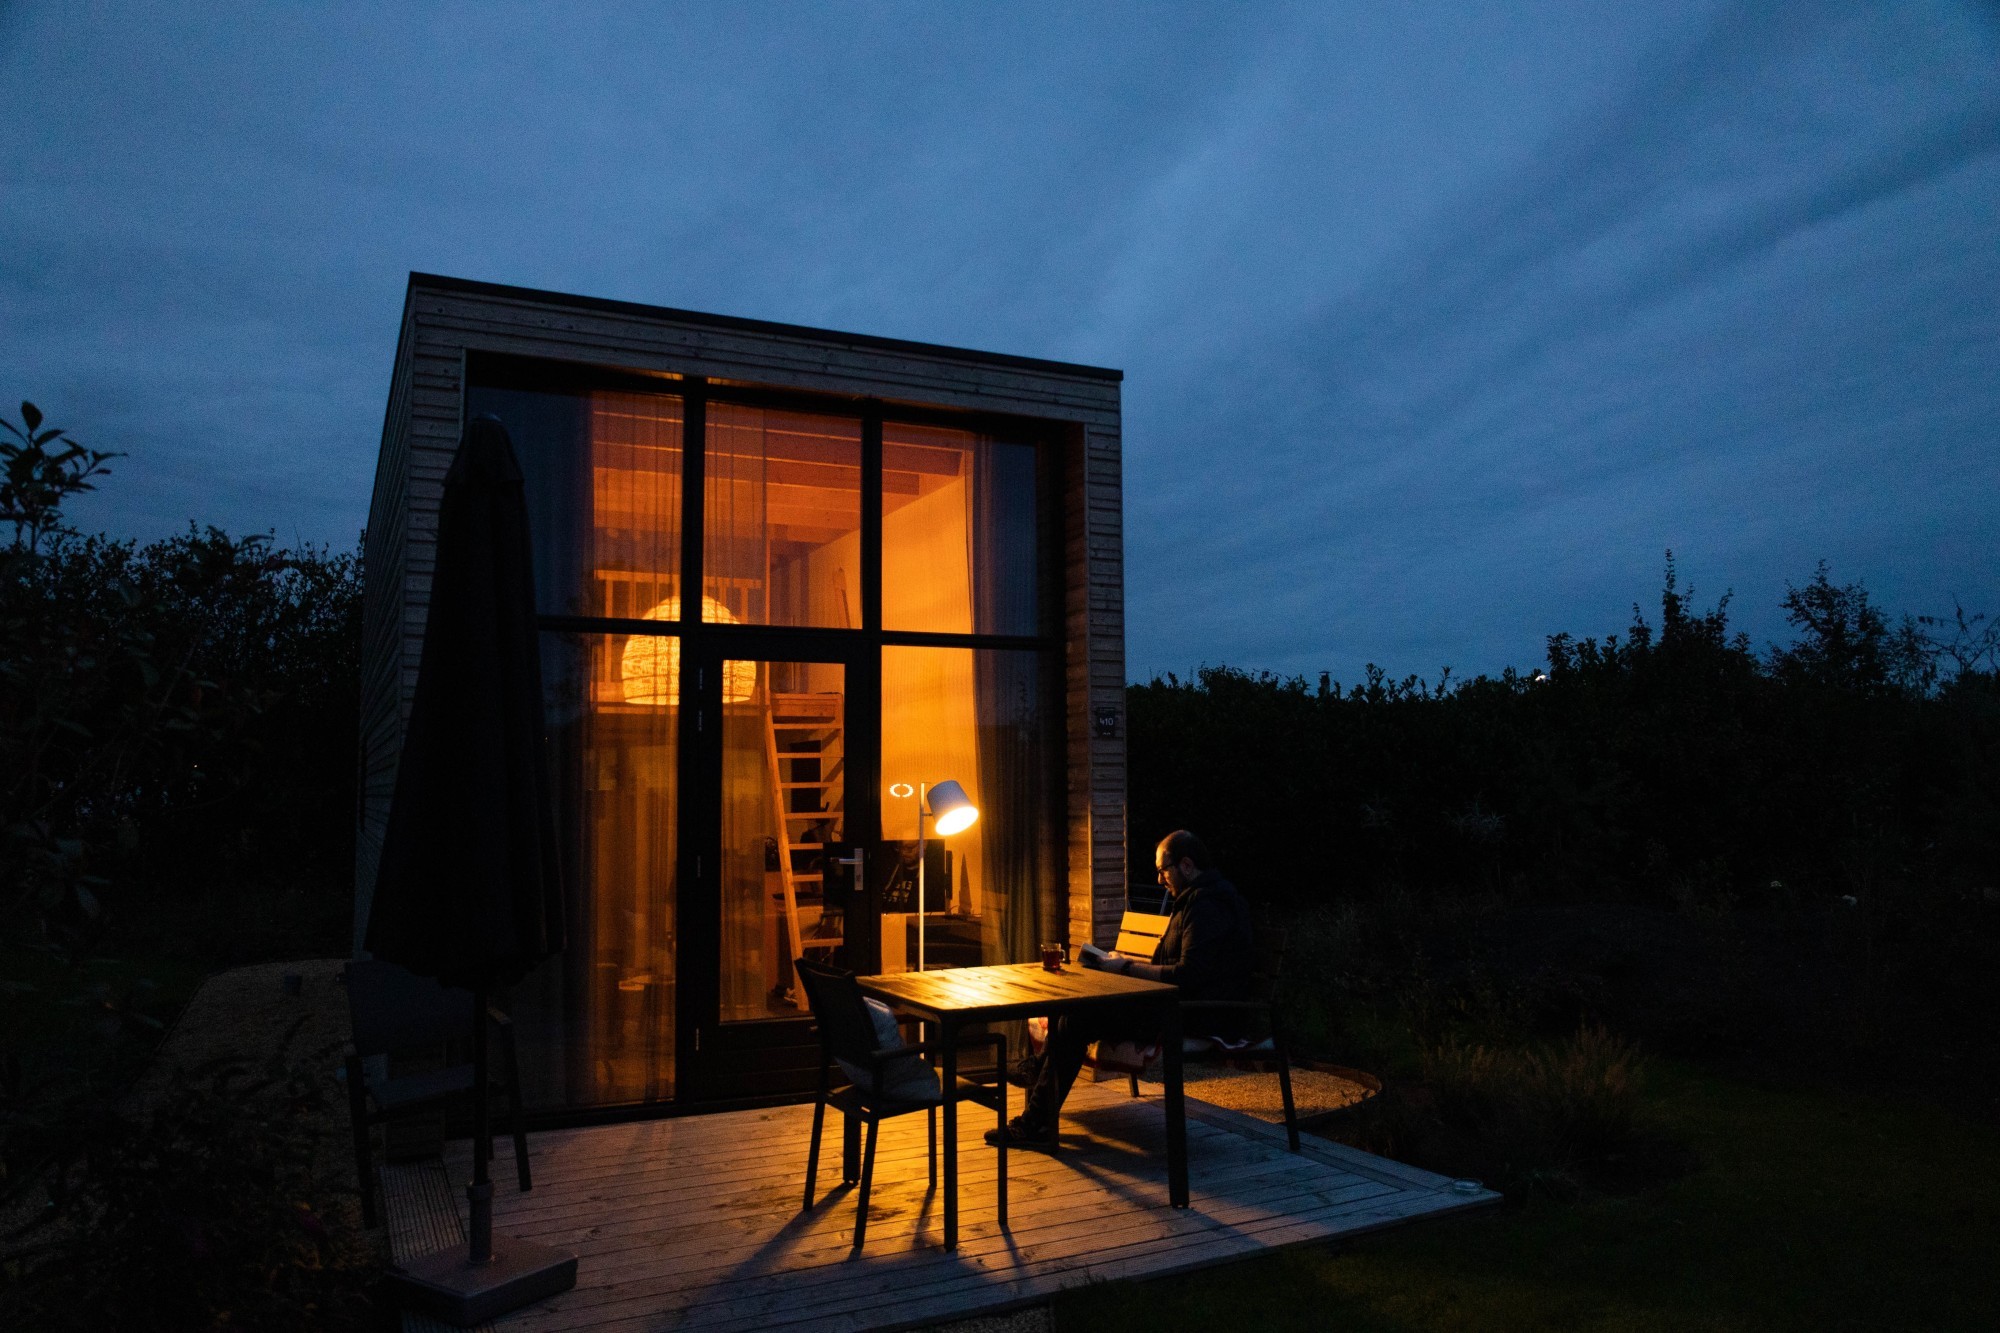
906	1248
695	1222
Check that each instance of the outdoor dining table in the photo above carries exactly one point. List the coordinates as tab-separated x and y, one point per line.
951	998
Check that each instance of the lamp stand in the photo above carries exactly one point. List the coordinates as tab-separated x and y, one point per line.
923	802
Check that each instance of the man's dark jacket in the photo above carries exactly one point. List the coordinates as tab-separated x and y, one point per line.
1208	947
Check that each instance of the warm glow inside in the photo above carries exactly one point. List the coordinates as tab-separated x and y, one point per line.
966	727
650	665
781	540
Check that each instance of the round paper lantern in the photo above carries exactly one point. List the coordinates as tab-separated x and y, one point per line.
650	666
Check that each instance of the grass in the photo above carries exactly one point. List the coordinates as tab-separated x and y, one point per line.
1811	1209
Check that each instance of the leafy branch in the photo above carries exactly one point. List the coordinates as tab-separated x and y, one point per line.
43	470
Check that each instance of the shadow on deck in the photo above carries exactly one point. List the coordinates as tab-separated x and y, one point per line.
694	1222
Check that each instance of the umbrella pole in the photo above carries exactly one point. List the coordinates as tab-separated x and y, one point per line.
480	1192
465	1291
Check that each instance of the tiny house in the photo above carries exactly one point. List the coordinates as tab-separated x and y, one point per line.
787	580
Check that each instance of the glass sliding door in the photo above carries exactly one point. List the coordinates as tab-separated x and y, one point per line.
783	803
779	760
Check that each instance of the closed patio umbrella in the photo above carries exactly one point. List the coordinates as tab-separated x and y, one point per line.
468	889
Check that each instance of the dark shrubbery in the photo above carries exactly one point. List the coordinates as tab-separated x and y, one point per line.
1664	838
177	770
1667	767
177	722
1549	1119
203	1212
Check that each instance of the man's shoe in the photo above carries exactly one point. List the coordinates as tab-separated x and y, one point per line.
1021	1133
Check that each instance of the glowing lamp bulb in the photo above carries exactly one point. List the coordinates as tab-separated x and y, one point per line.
955	821
650	667
952	811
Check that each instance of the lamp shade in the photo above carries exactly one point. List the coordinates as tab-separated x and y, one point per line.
649	668
951	809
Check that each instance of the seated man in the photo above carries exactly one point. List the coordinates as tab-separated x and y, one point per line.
1206	951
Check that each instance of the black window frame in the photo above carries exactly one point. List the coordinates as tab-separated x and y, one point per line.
860	647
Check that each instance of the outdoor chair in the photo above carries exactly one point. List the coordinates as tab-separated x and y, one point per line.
396	1012
1214	1028
1228	1019
886	1078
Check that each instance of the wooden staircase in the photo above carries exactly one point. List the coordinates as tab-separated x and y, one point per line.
806	745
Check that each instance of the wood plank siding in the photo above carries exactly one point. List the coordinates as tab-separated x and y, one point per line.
445	320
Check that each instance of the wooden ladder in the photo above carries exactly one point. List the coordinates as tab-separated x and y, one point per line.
805	741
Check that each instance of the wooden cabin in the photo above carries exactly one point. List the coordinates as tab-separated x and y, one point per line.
787	580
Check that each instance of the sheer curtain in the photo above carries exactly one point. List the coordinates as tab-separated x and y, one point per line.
603	485
781	542
1001	549
961	554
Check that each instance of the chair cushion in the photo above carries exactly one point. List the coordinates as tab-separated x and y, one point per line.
1131	1057
1123	1057
906	1078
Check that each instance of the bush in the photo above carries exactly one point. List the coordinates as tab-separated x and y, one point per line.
1544	1107
1542	1120
173	718
1672	765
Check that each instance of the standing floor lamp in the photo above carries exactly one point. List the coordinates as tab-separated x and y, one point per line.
951	811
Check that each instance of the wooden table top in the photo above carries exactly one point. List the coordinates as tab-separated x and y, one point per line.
1010	990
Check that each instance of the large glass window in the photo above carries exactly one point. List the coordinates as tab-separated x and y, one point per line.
782	519
596	1022
984	719
602	473
963	532
960	542
603	481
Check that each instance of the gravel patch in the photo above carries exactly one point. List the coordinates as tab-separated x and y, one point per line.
1315	1092
249	1016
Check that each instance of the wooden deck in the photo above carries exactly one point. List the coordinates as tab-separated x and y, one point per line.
695	1223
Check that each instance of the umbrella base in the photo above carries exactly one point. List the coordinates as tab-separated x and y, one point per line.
447	1286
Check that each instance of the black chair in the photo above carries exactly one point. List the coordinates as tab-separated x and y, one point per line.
1259	1013
884	1082
397	1012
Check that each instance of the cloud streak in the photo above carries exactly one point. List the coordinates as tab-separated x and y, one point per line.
1437	330
1491	386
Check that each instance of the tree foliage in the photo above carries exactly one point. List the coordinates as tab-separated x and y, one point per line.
170	714
1667	763
37	474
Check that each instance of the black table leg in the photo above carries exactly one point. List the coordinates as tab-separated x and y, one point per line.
1176	1104
948	1049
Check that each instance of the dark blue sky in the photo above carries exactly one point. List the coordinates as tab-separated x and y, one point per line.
1439	323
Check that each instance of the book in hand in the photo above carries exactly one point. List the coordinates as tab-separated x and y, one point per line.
1092	956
